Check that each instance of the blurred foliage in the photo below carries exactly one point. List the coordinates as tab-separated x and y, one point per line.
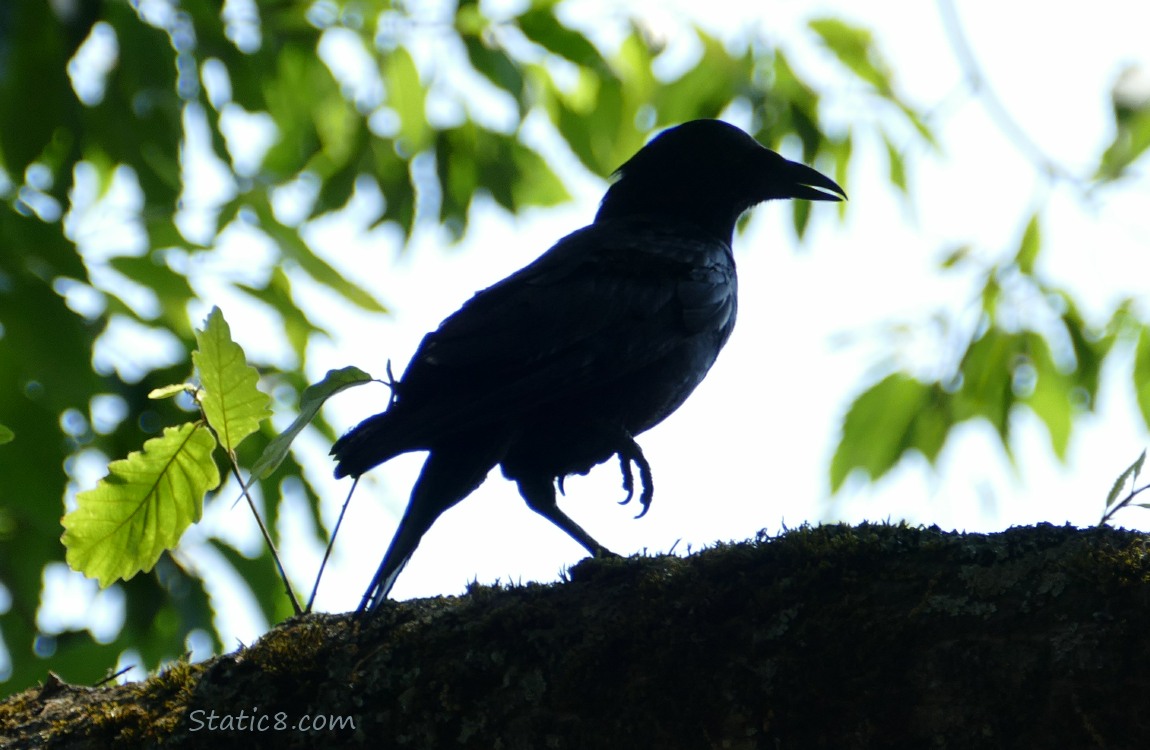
1024	342
104	99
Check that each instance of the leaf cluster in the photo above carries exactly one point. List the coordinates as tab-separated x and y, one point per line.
1023	344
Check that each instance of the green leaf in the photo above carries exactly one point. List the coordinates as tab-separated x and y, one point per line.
1131	126
1142	373
496	66
406	95
292	245
535	184
1090	350
1129	475
800	217
172	289
1029	246
277	293
854	47
1051	399
6	435
314	397
168	391
988	378
955	256
542	27
232	403
896	415
896	167
589	117
704	90
143	506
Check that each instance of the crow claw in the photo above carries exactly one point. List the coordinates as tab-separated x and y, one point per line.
628	478
632	453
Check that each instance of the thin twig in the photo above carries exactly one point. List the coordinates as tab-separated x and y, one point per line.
113	676
1124	503
995	107
330	545
267	536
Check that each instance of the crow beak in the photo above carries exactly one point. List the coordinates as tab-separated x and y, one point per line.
809	184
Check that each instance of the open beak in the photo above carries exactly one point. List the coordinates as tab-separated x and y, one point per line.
809	184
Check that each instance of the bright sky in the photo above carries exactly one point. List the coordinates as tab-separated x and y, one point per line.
750	449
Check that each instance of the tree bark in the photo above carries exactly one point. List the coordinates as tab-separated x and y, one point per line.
827	637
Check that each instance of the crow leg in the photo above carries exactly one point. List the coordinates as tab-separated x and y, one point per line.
449	475
540	496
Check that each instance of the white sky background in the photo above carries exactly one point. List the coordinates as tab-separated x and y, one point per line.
751	448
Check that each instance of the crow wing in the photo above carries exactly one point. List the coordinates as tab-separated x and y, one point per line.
605	302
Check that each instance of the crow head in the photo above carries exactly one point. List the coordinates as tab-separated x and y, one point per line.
708	172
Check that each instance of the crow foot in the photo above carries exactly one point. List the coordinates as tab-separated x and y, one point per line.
632	453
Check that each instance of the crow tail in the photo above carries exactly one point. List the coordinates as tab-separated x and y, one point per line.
451	473
373	441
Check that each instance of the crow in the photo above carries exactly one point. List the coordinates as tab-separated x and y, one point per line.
558	367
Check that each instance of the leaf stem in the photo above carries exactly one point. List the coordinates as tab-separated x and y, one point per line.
330	545
1124	503
267	535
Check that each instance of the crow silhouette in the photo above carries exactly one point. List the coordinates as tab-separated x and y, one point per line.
558	367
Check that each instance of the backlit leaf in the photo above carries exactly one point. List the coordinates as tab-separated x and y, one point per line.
1051	398
1129	475
1142	373
143	506
897	414
896	167
1029	246
168	391
232	403
406	95
854	47
542	27
314	397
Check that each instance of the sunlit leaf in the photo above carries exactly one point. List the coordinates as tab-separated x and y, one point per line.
1142	373
1029	247
955	257
896	167
313	398
590	121
171	289
232	402
536	184
277	294
1129	475
988	378
496	66
705	89
896	415
854	47
294	247
405	94
1131	125
6	435
540	25
916	121
143	506
1051	398
168	391
800	217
